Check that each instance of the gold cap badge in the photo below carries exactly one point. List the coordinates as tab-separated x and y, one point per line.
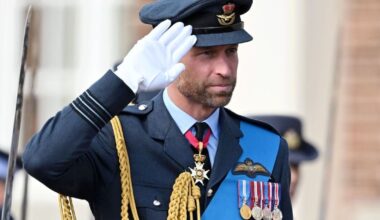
228	16
293	139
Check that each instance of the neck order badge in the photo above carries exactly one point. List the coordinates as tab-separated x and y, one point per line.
199	142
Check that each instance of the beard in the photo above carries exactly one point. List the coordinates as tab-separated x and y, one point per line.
197	91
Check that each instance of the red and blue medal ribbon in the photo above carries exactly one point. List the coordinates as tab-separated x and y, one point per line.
276	213
244	193
266	195
261	196
267	212
270	195
277	194
255	193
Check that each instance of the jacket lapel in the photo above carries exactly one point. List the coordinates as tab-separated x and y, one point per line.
161	126
228	151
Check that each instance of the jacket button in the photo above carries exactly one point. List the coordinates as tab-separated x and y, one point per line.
156	202
210	192
142	107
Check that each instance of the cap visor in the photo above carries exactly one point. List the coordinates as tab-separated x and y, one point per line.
305	153
217	39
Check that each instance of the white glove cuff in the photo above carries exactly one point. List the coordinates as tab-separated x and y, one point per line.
131	82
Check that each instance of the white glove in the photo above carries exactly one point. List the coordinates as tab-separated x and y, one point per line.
153	63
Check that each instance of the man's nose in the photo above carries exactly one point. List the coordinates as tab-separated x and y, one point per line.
223	66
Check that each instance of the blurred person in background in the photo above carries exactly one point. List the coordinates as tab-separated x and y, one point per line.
300	150
3	174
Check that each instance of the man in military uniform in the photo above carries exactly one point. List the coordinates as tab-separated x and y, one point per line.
192	53
300	150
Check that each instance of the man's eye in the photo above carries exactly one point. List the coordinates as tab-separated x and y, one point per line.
207	52
232	50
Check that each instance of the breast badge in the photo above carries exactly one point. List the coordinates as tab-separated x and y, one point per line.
250	169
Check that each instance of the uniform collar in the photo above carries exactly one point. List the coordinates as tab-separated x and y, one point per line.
184	121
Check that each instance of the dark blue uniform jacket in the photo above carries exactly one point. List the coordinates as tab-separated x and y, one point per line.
74	153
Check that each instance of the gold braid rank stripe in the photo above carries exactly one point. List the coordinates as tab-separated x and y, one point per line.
184	198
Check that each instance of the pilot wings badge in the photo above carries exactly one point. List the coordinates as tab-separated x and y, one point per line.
250	169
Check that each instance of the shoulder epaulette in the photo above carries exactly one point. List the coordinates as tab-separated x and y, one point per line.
141	108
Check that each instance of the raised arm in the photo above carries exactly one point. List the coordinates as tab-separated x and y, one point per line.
64	154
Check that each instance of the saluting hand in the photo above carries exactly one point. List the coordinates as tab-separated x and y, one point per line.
153	62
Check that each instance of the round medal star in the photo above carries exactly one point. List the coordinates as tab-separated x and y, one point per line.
198	173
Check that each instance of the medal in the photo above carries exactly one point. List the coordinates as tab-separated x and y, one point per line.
257	212
245	212
198	173
244	194
276	213
267	213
